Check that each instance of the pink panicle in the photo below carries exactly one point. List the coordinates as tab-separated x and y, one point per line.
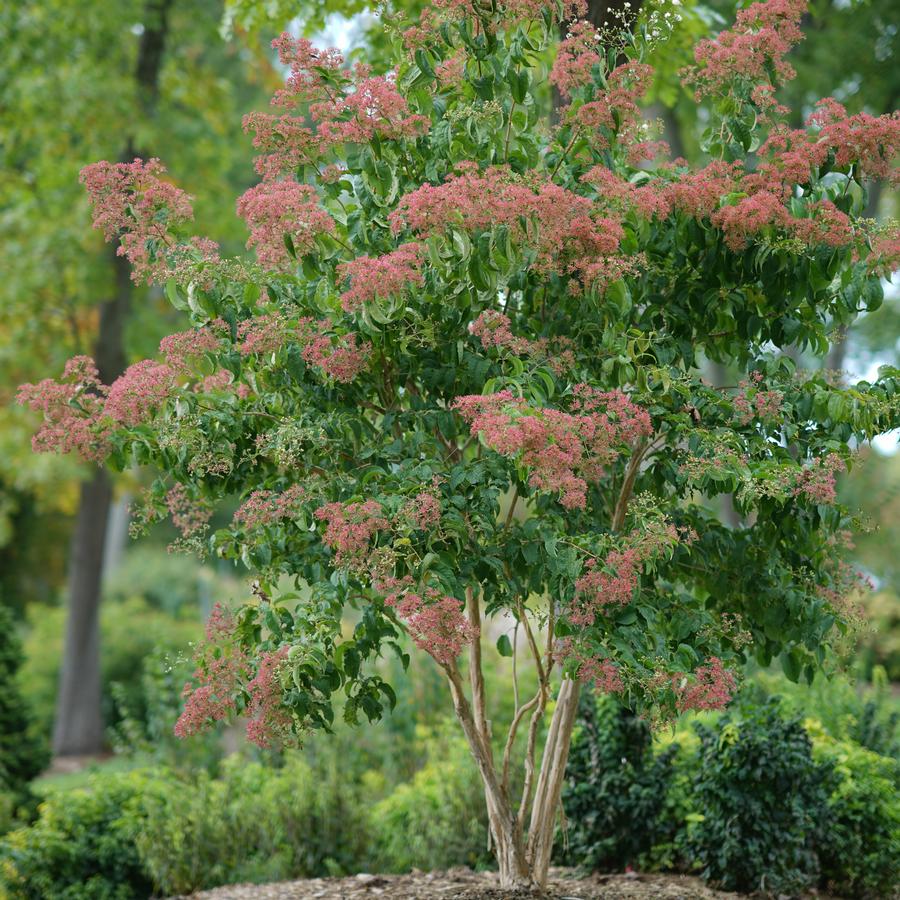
222	668
337	356
382	276
269	722
753	50
188	515
562	226
613	580
565	451
130	201
268	507
72	409
181	348
711	687
274	209
139	391
817	482
576	56
350	528
435	622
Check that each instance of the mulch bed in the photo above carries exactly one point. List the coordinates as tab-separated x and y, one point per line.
464	884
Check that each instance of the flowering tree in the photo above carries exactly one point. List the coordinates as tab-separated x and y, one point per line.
461	384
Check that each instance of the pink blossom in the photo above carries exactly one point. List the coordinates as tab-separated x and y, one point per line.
435	622
338	356
710	688
72	411
603	673
269	720
264	507
374	109
817	481
753	50
613	581
561	226
576	56
139	391
188	515
382	276
218	678
424	510
274	209
350	528
565	451
262	334
183	346
130	201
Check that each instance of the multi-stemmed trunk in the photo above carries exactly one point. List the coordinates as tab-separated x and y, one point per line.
522	833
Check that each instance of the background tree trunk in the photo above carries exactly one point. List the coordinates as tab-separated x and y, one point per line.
78	729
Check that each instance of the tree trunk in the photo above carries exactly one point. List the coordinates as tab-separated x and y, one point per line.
550	782
78	729
79	721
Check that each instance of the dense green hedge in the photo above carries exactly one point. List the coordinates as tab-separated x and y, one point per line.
752	798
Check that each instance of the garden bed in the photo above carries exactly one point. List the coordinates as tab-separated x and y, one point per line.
464	884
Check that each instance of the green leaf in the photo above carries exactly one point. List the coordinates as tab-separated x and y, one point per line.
504	645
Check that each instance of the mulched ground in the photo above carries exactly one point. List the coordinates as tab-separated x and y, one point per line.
463	884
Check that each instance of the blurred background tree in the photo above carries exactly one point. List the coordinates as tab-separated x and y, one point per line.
87	81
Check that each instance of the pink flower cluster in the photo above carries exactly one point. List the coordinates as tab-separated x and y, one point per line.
130	201
339	357
565	451
181	348
493	329
218	677
602	673
373	109
72	409
435	622
576	56
344	106
262	334
274	209
711	687
753	403
269	722
141	389
817	482
268	507
349	528
870	142
381	276
188	515
80	413
615	580
424	510
753	50
615	112
560	226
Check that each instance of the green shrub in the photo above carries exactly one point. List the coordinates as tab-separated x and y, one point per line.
846	709
437	819
758	796
255	823
129	632
860	847
23	755
82	846
615	789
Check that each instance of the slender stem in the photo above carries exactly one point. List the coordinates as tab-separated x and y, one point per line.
476	673
512	508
